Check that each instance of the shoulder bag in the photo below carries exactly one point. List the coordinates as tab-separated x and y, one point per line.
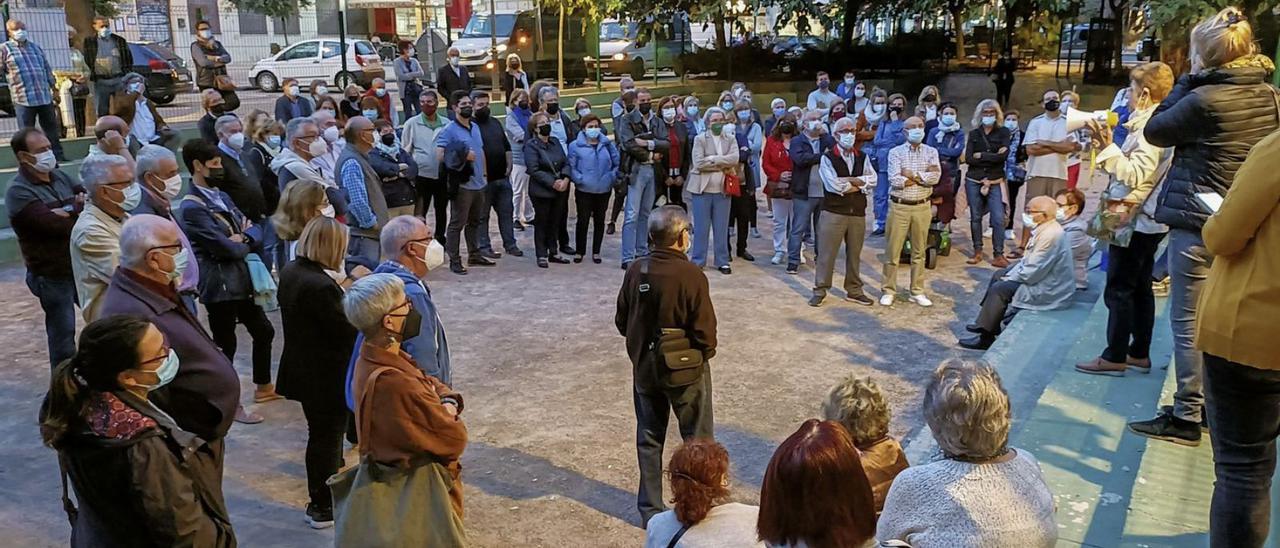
677	362
676	537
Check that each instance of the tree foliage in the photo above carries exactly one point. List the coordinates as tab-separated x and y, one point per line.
274	9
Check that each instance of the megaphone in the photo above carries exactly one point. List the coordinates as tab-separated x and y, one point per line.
1078	119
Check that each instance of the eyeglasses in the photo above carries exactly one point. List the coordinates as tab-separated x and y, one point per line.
164	353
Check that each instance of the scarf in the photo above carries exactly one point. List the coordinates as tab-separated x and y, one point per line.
871	116
522	116
943	130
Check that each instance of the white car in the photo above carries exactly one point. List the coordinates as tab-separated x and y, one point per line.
318	60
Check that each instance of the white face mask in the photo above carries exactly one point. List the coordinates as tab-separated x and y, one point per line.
45	162
328	211
322	91
668	114
584	111
331	134
728	130
435	255
131	196
236	141
813	125
859	92
205	34
172	187
317	148
878	108
1027	220
1060	215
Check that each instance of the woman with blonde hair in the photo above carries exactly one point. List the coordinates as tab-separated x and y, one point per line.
927	105
702	517
715	156
300	202
984	184
982	492
1212	118
858	405
514	78
318	342
517	120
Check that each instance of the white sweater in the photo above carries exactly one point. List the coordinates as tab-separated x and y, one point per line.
956	504
730	525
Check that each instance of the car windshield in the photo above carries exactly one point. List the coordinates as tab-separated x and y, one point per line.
481	26
613	31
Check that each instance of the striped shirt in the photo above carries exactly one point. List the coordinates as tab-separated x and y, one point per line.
917	158
30	77
352	180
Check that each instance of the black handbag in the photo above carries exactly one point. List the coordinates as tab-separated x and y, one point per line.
677	362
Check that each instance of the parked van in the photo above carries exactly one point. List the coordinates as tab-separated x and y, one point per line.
518	32
636	48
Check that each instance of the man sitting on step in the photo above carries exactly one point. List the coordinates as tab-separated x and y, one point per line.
1043	280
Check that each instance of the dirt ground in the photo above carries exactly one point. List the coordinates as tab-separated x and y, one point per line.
547	385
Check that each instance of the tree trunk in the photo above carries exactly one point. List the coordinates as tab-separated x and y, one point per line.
559	50
850	21
722	43
957	22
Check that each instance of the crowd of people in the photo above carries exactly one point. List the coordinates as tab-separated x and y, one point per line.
323	210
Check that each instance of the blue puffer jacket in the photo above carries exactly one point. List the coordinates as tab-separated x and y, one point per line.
888	135
593	168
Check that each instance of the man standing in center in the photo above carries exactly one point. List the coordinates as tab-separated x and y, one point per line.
659	292
366	206
643	135
913	170
846	175
460	151
497	157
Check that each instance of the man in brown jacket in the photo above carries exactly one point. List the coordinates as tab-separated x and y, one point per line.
676	297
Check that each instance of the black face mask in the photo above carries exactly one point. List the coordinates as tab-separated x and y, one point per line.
930	98
524	105
482	114
216	176
645	108
412	325
1051	105
544	131
788	127
389	139
895	109
553	108
218	110
465	112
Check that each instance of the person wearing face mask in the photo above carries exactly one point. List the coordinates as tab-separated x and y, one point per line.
32	85
679	153
95	249
498	157
776	161
715	156
549	180
642	136
331	142
518	113
948	138
860	99
988	151
223	238
777	109
349	107
204	394
927	106
101	416
214	107
750	138
245	193
581	109
266	137
110	138
318	342
823	98
211	60
396	169
371	108
291	104
873	110
845	173
146	126
806	151
408	419
593	166
381	101
1047	143
890	134
914	169
618	107
1134	166
108	57
452	77
846	87
1070	206
157	173
693	116
1042	280
366	205
460	151
302	145
1071	100
664	293
514	78
1015	166
44	204
409	73
319	92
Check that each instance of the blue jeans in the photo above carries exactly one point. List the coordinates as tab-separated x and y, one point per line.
980	205
48	115
710	215
1244	415
881	198
635	225
801	222
58	300
1189	264
274	251
499	198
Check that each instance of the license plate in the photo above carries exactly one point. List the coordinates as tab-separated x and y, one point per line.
184	78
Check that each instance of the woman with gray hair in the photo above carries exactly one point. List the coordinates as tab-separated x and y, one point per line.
404	417
982	492
715	156
858	405
987	151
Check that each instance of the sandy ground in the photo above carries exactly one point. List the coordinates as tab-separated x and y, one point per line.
547	383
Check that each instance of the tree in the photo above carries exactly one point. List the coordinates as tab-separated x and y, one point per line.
273	9
1175	18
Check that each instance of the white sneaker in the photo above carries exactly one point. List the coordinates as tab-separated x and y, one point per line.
886	299
1008	235
777	258
802	259
921	300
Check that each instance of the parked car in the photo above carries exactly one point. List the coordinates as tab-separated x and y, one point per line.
635	48
318	60
518	33
793	47
166	74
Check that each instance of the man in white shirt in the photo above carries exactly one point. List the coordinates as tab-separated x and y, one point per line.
333	141
847	174
823	98
146	126
913	171
1048	144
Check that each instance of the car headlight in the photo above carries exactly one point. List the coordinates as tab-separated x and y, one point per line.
488	66
619	56
502	48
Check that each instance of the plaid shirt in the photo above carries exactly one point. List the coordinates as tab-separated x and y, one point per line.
31	79
917	158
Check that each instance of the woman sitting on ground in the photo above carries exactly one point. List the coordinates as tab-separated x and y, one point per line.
139	479
815	494
857	405
983	492
699	473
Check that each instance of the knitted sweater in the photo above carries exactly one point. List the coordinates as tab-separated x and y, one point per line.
957	504
731	525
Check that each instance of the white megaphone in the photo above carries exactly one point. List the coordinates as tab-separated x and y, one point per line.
1078	119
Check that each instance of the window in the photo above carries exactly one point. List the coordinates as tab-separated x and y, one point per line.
252	23
305	50
365	48
330	50
481	26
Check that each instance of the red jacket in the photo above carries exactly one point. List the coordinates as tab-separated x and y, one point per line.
776	159
384	103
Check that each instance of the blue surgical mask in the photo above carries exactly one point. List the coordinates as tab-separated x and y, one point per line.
948	119
371	114
180	262
20	35
744	115
1011	125
273	141
915	135
727	106
846	140
135	87
105	32
165	373
988	121
691	110
380	92
779	112
593	133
